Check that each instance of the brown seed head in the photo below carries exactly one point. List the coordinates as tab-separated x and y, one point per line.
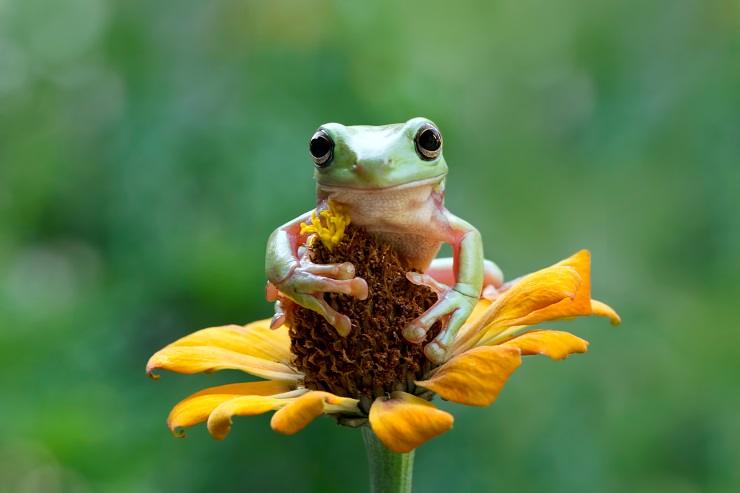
374	359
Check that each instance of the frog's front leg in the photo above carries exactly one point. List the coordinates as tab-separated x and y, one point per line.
290	271
454	304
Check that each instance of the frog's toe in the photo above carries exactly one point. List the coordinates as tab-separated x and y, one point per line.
435	352
359	288
437	349
343	325
341	271
417	330
271	292
283	307
415	333
340	322
278	320
428	281
356	287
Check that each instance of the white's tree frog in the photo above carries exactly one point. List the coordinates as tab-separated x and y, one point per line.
391	180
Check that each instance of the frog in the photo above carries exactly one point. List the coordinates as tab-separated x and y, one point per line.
391	181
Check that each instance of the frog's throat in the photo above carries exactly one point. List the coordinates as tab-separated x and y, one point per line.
439	179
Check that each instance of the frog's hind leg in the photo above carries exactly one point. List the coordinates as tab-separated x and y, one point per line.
442	270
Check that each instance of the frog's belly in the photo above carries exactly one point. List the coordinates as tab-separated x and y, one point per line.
417	250
410	219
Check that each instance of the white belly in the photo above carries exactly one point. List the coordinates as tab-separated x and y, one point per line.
409	218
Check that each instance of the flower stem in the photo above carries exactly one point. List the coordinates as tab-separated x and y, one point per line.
389	472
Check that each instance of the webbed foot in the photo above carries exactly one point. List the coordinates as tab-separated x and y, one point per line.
452	308
306	286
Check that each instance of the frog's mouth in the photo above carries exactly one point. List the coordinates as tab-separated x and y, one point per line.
411	184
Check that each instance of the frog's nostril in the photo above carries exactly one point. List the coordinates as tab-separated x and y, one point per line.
359	169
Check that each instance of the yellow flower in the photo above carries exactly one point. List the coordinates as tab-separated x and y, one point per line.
486	351
337	219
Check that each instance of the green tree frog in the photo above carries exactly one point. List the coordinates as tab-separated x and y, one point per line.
391	179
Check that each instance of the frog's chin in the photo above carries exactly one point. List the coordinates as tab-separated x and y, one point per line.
424	182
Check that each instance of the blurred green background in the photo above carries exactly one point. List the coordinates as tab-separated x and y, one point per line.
148	149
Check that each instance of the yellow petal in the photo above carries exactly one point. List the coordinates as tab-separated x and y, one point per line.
494	336
219	422
535	293
255	339
196	359
516	306
478	312
475	377
296	415
196	408
552	343
479	309
405	421
580	305
604	310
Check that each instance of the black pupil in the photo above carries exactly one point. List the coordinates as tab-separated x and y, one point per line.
320	146
429	140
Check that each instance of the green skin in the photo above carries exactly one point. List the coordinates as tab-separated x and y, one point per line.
397	196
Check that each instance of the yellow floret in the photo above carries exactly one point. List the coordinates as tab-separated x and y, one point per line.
336	220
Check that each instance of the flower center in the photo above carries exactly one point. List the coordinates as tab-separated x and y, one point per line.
374	359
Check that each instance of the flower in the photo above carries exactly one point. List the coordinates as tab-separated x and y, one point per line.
486	351
337	219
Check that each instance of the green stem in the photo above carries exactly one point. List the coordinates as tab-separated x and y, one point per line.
389	472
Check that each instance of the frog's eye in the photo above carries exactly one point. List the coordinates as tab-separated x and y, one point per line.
428	142
322	149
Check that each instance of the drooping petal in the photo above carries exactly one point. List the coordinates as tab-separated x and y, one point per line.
518	305
296	415
539	291
604	310
196	408
577	306
405	421
552	343
219	422
255	339
535	293
196	359
475	377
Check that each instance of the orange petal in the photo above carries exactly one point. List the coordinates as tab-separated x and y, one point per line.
478	312
219	422
405	421
570	307
531	294
296	415
552	343
534	293
493	336
196	408
604	310
475	377
196	359
255	339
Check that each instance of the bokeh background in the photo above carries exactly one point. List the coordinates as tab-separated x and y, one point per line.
148	149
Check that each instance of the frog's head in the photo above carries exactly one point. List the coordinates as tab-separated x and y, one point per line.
363	157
